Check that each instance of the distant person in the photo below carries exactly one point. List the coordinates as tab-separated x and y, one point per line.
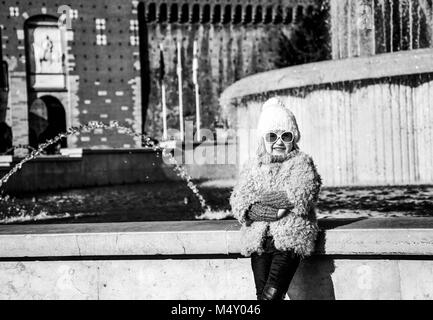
274	201
49	133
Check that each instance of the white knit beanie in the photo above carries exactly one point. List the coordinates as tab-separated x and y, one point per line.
276	116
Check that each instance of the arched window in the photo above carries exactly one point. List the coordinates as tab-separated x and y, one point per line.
47	118
162	16
151	12
268	15
174	13
299	13
216	17
288	16
227	14
195	13
248	17
310	11
258	15
238	14
45	53
205	18
184	16
278	15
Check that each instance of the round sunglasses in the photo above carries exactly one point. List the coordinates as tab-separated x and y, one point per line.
272	137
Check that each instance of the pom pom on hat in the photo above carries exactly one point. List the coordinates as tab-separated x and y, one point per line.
276	116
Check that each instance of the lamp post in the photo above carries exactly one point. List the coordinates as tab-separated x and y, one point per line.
179	77
196	87
163	94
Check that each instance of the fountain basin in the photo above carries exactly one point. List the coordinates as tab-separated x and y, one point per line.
365	121
200	260
174	201
102	167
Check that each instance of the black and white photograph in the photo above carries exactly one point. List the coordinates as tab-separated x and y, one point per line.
223	151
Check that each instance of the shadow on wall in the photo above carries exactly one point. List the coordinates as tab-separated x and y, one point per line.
313	279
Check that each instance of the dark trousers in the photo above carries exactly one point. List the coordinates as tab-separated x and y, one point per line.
273	271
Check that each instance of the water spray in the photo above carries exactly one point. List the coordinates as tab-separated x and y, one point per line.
92	125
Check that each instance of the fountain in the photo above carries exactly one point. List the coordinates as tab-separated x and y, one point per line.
365	115
367	121
178	168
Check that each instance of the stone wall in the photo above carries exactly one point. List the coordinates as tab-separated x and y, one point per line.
102	75
355	259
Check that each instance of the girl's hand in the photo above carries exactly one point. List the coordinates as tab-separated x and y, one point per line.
281	213
275	199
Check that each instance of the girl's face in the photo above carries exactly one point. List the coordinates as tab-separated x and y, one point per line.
278	142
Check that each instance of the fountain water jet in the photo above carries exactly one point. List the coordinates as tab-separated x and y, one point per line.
92	125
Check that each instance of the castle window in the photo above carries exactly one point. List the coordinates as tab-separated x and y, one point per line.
133	25
195	14
288	17
205	18
216	18
268	15
134	40
100	24
73	13
173	13
162	17
14	11
238	14
278	15
151	12
258	15
299	13
4	77
101	39
184	17
227	14
248	14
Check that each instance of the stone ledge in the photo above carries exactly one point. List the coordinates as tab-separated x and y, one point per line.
375	236
360	68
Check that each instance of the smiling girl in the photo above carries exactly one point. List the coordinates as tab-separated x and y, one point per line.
274	201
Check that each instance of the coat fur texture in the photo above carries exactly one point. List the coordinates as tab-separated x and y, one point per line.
297	230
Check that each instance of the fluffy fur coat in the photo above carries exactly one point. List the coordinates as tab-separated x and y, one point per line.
297	230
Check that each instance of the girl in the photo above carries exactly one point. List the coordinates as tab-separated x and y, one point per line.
274	202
